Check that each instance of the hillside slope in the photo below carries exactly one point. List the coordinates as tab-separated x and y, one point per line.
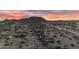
36	33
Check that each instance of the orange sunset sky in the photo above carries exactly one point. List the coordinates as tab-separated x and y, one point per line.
49	15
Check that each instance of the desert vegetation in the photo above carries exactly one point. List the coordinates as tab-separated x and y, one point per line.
37	33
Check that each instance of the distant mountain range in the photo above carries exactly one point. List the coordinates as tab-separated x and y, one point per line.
36	19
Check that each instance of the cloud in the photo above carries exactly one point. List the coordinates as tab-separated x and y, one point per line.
23	13
53	14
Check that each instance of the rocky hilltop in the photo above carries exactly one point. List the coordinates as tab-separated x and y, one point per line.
37	33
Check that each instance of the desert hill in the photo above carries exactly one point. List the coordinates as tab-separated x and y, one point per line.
37	33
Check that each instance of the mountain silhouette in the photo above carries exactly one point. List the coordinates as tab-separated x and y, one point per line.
30	19
36	19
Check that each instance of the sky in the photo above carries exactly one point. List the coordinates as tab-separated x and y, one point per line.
49	15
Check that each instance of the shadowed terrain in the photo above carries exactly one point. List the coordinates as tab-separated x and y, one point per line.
37	33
